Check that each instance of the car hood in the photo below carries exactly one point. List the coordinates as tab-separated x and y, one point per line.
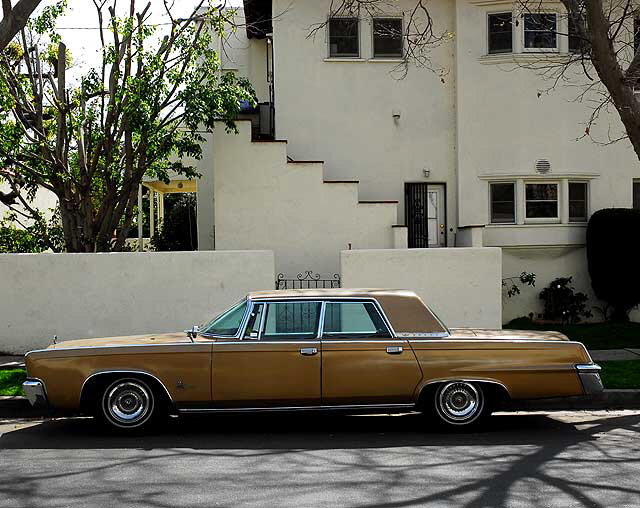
481	333
131	340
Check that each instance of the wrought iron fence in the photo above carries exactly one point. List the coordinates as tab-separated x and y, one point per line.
307	280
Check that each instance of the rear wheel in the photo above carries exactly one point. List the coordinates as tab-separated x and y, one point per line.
127	404
460	403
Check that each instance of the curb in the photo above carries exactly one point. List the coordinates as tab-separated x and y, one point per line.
608	399
19	407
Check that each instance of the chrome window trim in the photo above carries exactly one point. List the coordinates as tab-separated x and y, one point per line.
241	329
313	341
132	371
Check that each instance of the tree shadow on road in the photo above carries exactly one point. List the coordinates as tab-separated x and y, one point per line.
386	460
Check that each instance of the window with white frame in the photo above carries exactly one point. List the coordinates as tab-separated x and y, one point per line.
503	202
541	201
578	205
387	38
344	38
500	33
636	194
540	32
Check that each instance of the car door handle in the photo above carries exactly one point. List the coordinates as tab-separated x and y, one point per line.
394	350
309	351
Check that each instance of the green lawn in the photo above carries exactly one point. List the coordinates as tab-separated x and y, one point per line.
592	335
624	374
11	381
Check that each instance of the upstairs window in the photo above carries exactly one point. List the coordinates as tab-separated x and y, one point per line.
540	32
500	32
578	202
503	203
344	38
541	201
387	38
636	194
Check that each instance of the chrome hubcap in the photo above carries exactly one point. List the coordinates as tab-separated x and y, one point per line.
459	401
128	403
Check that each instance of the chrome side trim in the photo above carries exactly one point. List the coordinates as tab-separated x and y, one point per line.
588	367
363	341
465	380
323	313
422	334
297	408
187	344
139	372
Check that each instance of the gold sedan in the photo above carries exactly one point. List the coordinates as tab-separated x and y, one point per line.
356	350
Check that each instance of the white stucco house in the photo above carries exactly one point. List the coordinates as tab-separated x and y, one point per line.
342	154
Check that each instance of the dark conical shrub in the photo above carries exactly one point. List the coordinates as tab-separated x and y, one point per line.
613	256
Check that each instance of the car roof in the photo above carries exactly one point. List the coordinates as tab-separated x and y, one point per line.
405	310
329	293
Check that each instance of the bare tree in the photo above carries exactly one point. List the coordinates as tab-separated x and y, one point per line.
14	19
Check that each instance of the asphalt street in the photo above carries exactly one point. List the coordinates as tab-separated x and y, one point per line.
565	459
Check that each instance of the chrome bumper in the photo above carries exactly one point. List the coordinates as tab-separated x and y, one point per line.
35	392
589	374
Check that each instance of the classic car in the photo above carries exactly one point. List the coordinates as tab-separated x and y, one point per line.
354	350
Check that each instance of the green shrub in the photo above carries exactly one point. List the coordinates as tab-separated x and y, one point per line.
178	231
613	249
562	303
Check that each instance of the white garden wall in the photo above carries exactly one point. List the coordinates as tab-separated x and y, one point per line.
97	295
461	285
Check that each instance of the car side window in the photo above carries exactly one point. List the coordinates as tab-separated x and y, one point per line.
354	320
253	325
291	321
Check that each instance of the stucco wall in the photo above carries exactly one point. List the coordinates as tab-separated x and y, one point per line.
96	295
263	202
461	285
341	110
548	263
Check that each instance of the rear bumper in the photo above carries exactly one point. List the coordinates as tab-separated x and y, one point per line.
35	392
589	374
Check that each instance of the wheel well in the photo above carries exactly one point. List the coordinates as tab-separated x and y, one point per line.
94	385
495	393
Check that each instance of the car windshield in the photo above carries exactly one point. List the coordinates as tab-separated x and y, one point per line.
228	322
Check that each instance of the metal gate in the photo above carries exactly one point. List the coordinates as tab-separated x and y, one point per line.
307	280
415	209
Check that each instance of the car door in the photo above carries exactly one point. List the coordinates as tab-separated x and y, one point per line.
362	363
277	361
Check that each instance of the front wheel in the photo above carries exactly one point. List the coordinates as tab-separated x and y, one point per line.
127	404
460	403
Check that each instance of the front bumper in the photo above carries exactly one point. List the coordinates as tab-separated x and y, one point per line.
589	374
35	392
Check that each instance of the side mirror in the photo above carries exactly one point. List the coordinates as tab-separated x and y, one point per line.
193	333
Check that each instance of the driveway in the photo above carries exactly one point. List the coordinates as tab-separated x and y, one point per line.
565	459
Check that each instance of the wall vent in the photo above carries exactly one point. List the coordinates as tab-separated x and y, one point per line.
543	166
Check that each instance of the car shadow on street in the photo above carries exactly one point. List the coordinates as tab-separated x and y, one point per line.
305	431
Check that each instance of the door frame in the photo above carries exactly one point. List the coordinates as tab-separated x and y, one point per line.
444	208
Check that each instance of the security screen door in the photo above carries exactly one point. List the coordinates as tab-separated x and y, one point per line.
425	215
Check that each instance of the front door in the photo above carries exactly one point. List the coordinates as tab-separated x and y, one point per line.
361	362
425	215
276	364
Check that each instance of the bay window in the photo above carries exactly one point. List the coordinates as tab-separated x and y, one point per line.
503	202
541	201
578	209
